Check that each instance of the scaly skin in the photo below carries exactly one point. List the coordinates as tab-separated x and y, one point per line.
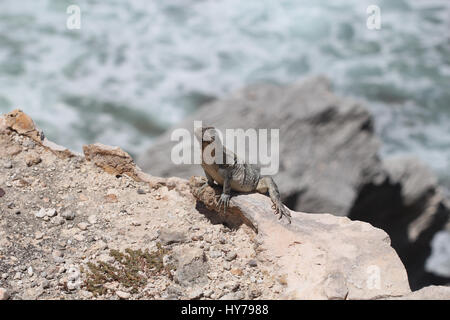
235	175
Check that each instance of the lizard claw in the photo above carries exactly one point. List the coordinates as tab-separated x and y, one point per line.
224	199
282	211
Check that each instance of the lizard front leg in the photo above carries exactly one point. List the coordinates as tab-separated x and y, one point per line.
224	198
210	183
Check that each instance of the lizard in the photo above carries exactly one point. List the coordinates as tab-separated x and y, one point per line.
234	174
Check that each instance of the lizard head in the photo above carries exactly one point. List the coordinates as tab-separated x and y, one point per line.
205	134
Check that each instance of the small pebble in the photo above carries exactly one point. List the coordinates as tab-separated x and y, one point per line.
50	212
254	294
68	215
207	293
123	295
58	221
4	294
82	226
58	256
45	284
45	213
32	159
92	219
79	237
215	254
252	263
230	256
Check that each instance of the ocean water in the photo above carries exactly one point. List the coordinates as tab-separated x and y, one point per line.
137	66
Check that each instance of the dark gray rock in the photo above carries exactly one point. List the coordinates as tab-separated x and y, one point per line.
411	208
327	146
416	179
